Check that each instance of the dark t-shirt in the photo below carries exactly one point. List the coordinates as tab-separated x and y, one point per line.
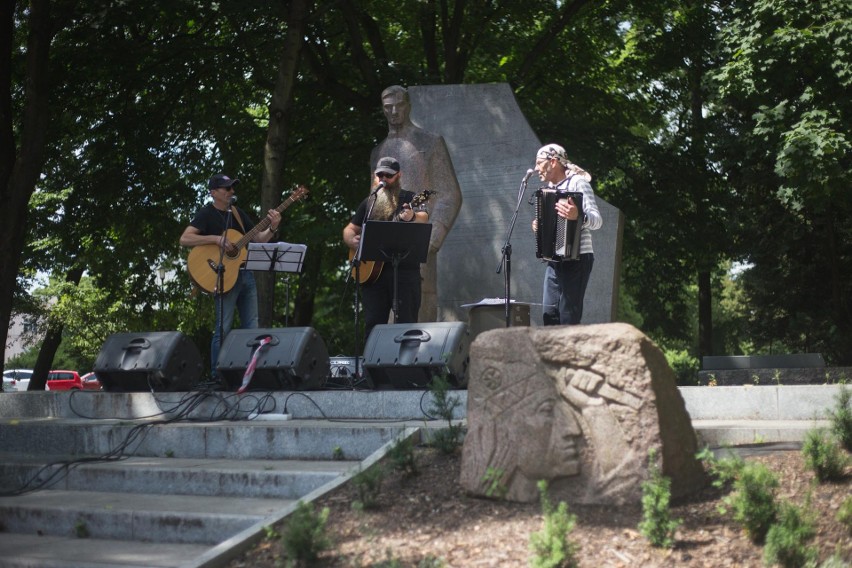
211	221
358	220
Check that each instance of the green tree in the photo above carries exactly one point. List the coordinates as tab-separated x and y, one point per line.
783	97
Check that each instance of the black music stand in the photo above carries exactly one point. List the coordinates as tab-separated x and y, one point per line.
276	257
389	241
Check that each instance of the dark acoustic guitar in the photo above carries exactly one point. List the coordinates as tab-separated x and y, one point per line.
370	270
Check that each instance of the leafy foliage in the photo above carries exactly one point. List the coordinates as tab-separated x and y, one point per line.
494	483
753	500
368	484
444	405
657	525
304	535
786	541
841	418
402	457
551	546
844	513
723	471
720	129
823	454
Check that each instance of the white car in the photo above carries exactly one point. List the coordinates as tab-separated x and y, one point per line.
16	379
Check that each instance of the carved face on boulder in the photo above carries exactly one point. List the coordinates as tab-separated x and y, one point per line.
524	430
579	406
548	436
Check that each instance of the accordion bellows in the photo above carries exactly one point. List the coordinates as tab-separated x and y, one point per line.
557	238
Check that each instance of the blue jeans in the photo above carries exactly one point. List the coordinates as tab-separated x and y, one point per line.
564	288
243	298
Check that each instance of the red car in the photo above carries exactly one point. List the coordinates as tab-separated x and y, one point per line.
71	380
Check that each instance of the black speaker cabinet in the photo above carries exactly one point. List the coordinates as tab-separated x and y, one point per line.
295	359
148	361
410	355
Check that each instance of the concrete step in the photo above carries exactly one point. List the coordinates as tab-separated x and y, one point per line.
401	405
33	551
233	440
719	433
184	519
280	479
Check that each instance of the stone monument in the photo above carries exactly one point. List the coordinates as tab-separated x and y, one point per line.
579	406
425	164
492	145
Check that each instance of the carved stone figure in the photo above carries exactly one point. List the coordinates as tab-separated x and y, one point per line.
579	406
424	158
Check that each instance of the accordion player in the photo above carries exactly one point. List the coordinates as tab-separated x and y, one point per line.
557	238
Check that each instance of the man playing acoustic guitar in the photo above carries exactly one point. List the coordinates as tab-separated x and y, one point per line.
208	228
392	203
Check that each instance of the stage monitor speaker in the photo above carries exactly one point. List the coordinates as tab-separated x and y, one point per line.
295	359
410	355
148	361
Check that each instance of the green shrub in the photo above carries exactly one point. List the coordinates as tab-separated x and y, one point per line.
823	455
551	547
402	457
495	486
841	418
835	561
368	484
722	471
844	514
81	530
753	500
304	536
657	525
786	541
444	405
684	365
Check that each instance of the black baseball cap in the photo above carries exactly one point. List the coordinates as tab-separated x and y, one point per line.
387	165
221	180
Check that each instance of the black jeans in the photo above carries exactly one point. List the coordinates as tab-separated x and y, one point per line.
377	297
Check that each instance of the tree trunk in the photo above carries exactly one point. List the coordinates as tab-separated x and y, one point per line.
51	342
20	168
705	314
276	138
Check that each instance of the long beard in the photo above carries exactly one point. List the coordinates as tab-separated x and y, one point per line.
386	204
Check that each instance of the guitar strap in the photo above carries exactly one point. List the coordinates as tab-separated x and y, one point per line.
239	219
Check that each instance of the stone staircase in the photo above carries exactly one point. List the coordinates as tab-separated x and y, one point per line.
191	479
115	479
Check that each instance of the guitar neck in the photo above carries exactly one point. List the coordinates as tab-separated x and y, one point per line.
263	224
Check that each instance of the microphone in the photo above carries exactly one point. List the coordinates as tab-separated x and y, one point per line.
379	187
527	176
233	199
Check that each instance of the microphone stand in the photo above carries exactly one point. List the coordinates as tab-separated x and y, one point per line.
356	260
220	283
506	258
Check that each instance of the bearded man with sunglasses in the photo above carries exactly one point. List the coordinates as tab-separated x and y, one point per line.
392	203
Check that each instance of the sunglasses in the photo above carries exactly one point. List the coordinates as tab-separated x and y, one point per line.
383	175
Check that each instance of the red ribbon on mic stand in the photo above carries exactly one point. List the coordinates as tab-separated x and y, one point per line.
253	364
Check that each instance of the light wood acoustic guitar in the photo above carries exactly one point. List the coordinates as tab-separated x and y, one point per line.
370	270
203	259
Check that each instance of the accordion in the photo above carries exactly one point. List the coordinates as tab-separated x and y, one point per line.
557	238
